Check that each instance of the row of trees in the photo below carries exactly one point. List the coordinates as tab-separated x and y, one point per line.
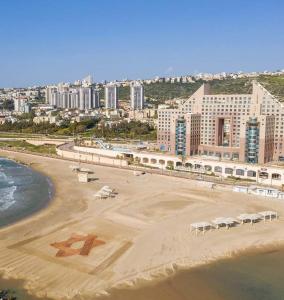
28	126
130	130
66	128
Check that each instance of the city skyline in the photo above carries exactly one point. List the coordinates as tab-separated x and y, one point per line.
42	45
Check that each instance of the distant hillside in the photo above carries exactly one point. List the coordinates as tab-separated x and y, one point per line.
274	84
162	91
159	92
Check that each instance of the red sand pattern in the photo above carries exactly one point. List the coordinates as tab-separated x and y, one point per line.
65	249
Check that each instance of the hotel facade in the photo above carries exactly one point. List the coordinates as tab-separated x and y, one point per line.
241	127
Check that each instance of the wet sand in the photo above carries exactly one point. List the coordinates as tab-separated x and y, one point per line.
252	274
145	230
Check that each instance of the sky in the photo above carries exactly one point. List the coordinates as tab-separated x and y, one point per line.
50	41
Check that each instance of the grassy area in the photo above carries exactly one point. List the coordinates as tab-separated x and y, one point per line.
31	136
15	135
24	146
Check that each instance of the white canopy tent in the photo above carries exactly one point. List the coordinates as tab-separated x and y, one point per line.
105	192
268	214
107	189
100	195
228	222
200	226
252	218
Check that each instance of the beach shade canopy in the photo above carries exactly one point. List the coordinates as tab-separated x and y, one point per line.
200	226
224	222
102	195
107	188
268	214
105	192
108	193
249	217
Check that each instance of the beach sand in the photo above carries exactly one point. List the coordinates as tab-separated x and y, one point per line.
144	230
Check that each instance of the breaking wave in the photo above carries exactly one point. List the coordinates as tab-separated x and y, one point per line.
7	197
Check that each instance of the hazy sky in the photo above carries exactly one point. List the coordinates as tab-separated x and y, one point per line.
49	41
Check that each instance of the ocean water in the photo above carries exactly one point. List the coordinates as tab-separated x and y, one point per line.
251	276
23	191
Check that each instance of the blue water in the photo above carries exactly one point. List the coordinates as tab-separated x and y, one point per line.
23	191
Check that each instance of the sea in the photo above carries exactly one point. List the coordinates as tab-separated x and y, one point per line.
253	275
23	191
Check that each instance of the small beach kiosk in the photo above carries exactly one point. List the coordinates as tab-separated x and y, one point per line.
85	175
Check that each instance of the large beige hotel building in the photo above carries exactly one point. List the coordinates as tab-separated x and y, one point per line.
241	127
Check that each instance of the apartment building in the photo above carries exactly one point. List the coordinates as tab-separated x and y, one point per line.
21	105
136	96
111	96
225	121
73	98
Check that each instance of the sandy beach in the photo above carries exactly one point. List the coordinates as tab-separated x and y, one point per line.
143	232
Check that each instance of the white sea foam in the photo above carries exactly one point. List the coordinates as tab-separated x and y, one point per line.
3	176
7	197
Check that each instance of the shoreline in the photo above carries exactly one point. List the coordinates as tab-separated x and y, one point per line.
195	283
51	193
165	272
247	252
18	284
116	213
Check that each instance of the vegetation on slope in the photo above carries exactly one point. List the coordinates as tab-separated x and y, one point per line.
274	84
161	91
